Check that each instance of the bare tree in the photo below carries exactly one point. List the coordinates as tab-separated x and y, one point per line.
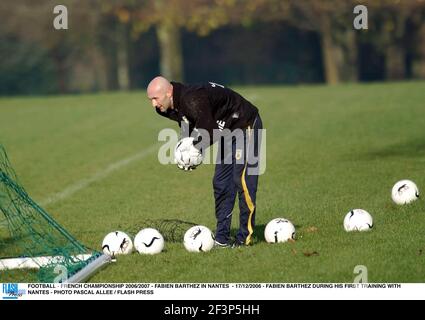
70	50
388	24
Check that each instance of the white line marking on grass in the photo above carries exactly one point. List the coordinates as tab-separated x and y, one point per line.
84	183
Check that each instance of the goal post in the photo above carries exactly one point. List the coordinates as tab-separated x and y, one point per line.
30	239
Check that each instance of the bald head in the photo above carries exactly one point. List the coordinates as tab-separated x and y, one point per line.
160	92
158	84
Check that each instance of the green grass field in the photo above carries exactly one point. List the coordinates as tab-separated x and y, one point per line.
329	150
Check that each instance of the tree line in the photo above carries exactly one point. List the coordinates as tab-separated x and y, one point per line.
119	44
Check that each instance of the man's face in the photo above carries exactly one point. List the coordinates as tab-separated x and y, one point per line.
160	98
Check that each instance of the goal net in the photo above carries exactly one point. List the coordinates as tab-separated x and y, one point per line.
33	246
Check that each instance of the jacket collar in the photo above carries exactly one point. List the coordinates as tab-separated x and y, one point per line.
177	90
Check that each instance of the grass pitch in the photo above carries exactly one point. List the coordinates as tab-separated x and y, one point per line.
329	150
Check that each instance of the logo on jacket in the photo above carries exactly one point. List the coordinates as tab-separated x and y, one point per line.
221	124
238	154
185	119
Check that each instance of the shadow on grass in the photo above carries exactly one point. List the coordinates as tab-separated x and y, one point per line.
410	149
12	247
258	235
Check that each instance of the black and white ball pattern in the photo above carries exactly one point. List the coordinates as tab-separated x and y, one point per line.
116	243
149	241
198	239
404	192
358	220
279	230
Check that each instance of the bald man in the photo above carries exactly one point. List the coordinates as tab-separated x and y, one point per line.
213	107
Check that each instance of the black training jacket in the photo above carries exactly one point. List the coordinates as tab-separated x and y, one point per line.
210	106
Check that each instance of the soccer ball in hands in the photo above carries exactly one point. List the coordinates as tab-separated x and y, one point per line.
117	242
186	155
404	192
358	220
279	230
149	241
198	239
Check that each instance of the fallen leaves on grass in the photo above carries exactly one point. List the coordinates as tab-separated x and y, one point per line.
311	229
311	253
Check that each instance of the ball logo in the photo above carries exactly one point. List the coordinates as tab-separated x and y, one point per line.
281	221
151	243
124	244
403	188
198	239
196	233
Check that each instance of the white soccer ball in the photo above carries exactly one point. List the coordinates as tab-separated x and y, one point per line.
358	220
404	192
186	155
198	239
149	241
117	242
279	230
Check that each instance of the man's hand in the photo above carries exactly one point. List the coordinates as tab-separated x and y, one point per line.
186	168
186	155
